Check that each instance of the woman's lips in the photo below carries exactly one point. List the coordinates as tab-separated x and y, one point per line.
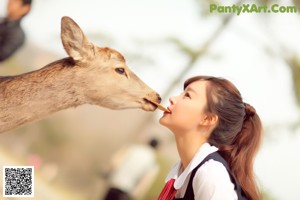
169	110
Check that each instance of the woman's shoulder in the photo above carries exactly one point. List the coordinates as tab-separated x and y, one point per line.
212	170
213	178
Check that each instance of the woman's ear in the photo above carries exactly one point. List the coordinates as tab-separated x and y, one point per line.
210	120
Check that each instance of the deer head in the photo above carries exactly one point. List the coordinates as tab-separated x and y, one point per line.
105	79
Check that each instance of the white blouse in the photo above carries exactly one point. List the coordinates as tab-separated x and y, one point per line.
211	181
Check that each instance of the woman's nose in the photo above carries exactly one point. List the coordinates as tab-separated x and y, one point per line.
172	100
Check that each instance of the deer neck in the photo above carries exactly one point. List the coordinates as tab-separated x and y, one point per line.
31	96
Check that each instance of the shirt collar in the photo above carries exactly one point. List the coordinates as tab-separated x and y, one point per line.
203	151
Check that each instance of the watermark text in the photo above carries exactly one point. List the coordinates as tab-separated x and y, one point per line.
252	8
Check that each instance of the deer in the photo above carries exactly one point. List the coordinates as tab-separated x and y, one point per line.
90	75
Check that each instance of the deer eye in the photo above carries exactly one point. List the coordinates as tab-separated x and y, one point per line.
120	70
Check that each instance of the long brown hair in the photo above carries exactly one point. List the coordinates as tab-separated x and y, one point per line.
238	133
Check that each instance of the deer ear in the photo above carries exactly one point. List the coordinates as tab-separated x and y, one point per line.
75	42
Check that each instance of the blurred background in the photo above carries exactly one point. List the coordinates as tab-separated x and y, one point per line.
164	43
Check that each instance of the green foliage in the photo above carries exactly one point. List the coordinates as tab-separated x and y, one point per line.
159	183
50	137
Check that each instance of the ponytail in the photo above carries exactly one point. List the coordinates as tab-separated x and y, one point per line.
240	154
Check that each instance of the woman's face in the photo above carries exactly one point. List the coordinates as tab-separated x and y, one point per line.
16	9
187	109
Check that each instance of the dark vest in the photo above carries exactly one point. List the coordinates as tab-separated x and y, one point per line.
189	193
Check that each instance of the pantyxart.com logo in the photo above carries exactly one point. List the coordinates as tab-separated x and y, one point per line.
252	8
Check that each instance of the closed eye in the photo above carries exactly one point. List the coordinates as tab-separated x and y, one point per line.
187	95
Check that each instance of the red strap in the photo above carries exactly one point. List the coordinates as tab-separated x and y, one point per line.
168	192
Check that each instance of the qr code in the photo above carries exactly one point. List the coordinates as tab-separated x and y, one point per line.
18	181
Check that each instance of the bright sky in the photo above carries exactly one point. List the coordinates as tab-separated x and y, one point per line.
264	80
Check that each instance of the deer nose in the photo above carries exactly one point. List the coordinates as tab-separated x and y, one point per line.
158	98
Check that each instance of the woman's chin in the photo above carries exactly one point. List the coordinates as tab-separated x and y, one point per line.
163	121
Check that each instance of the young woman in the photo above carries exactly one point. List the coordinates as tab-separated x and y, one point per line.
217	137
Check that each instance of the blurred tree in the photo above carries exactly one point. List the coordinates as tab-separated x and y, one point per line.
297	3
294	64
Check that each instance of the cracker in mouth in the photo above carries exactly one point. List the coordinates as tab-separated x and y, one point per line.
159	106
